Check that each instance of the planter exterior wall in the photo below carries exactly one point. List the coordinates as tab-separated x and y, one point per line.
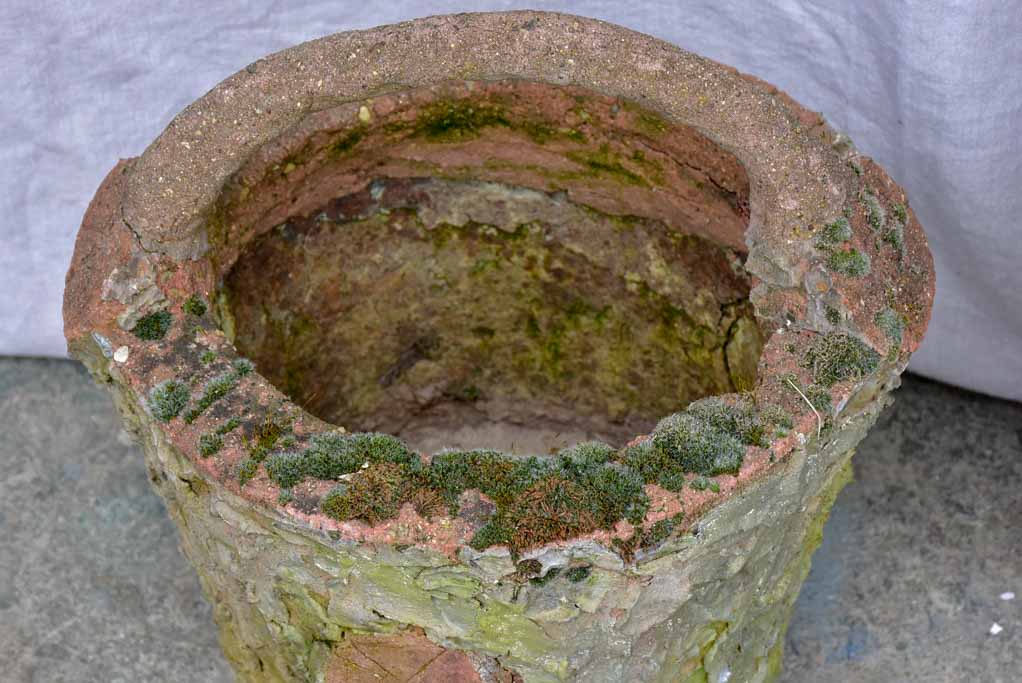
698	584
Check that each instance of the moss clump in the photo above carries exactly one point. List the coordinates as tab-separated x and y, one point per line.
539	501
833	315
210	444
246	470
693	445
835	233
836	357
660	531
492	533
331	455
452	121
605	162
875	214
207	357
215	389
266	436
703	484
228	426
243	367
891	324
852	262
153	326
193	305
286	496
739	418
373	495
347	142
499	477
168	399
285	469
894	234
578	574
777	417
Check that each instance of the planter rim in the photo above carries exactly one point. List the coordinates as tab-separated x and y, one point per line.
815	204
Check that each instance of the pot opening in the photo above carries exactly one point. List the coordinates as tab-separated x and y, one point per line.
507	265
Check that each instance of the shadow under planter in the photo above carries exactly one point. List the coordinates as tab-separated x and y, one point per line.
460	356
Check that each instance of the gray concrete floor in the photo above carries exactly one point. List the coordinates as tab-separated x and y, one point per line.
905	587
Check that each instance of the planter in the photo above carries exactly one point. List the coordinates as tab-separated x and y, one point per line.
498	347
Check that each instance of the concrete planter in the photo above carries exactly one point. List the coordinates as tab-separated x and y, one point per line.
628	310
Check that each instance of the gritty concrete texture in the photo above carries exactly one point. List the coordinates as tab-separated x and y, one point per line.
905	587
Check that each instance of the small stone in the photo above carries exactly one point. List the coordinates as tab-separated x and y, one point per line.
995	629
1007	596
121	354
364	115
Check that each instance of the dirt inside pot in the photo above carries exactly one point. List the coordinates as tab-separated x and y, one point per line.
506	265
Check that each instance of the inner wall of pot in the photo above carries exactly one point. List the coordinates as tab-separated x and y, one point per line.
433	279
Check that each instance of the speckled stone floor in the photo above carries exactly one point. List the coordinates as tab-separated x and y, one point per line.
905	588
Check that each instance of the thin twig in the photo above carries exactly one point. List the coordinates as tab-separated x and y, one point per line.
819	420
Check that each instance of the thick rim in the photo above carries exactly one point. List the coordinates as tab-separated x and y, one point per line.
834	250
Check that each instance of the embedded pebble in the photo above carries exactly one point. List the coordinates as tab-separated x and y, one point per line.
121	354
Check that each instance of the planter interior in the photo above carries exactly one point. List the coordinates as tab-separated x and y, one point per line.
578	277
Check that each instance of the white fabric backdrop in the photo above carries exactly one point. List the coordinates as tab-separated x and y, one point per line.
932	89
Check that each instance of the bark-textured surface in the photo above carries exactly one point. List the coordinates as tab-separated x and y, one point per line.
701	195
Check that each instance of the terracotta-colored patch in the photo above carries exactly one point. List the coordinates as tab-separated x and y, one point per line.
406	657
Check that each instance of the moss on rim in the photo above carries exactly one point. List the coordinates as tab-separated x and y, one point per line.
585	487
836	357
154	326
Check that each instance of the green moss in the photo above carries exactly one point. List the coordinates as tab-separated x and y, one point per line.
693	445
492	533
835	357
833	315
228	426
703	484
194	306
246	470
875	214
215	389
266	436
373	495
550	575
499	477
578	574
777	416
891	324
738	418
286	496
210	444
207	357
835	233
153	326
660	531
605	162
894	234
347	142
819	396
453	121
285	469
852	262
168	399
242	367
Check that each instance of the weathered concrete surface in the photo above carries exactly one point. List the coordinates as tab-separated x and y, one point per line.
904	588
842	279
